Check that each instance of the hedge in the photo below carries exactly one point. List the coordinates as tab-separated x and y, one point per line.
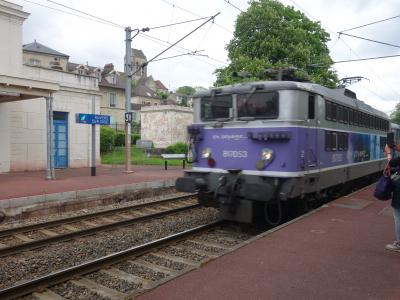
178	148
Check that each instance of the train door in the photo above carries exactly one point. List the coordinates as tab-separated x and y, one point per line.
311	144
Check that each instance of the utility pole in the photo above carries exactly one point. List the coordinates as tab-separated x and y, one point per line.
128	88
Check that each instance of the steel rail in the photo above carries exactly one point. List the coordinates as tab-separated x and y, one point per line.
75	234
68	220
96	264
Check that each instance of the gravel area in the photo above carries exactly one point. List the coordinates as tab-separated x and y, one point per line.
71	291
164	262
218	240
141	271
112	282
28	297
199	246
184	254
57	256
122	201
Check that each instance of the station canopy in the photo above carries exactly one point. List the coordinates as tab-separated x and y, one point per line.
18	88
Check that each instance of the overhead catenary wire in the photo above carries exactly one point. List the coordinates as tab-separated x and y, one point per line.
85	13
69	13
358	56
366	58
163	43
233	5
194	14
372	23
180	47
178	41
369	40
178	55
151	38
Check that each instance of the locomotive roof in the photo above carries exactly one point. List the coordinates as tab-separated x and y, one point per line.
335	95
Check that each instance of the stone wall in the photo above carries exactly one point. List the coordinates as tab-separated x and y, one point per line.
165	124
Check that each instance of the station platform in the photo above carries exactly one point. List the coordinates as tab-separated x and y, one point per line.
335	252
19	190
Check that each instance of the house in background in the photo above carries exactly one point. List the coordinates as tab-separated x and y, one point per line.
38	55
112	85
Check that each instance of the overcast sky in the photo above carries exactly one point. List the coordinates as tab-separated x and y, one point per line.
98	44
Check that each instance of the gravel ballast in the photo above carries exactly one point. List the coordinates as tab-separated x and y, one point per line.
31	264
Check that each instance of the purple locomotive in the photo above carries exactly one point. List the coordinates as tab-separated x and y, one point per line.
258	147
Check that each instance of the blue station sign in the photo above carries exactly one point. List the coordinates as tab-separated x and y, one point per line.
93	119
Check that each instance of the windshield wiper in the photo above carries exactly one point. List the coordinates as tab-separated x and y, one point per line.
246	118
222	119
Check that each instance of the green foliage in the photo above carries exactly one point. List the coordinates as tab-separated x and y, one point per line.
395	115
139	157
272	35
134	138
163	95
178	148
119	139
107	138
186	90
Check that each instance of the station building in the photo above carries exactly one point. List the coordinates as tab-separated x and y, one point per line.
30	82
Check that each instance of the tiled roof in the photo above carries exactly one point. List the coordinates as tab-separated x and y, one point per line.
144	91
71	67
39	48
160	85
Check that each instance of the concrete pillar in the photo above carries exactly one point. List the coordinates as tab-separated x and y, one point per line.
4	138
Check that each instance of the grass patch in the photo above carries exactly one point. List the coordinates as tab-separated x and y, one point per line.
138	157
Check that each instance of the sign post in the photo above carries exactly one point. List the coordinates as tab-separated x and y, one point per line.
93	119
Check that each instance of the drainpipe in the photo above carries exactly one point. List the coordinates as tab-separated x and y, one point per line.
50	129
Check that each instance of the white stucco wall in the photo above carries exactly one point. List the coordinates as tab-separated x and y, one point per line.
11	19
27	121
165	124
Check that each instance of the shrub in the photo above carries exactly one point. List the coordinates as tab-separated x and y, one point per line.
120	139
107	138
134	138
178	148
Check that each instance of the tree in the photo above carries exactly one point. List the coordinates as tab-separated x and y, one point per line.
186	92
395	115
271	35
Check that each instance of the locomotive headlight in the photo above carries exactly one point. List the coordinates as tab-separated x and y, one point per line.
267	155
206	153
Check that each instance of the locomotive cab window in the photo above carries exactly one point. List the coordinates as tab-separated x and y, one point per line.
218	107
311	107
258	105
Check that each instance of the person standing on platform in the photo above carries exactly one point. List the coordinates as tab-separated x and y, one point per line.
394	162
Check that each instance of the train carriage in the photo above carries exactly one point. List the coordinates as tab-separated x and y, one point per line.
257	145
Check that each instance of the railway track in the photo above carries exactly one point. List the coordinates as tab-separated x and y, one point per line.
133	271
18	239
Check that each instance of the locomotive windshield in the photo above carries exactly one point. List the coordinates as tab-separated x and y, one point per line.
218	107
258	105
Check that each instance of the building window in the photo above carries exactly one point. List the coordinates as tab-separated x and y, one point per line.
112	99
34	62
81	71
114	79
